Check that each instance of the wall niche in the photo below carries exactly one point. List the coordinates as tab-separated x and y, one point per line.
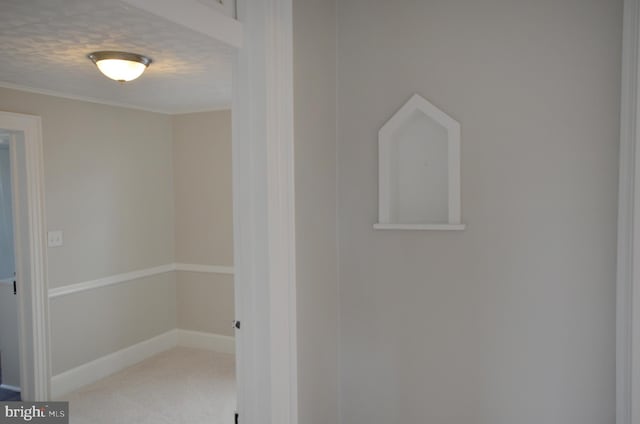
419	169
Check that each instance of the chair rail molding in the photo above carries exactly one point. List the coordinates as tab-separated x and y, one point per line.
628	258
136	275
110	280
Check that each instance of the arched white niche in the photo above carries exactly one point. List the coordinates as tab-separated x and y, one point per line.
419	169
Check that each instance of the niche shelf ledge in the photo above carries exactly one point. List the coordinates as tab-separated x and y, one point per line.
436	227
419	169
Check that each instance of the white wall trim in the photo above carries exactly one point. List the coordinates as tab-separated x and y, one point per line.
207	341
136	275
222	108
68	381
281	213
110	281
211	269
31	271
75	378
628	279
435	227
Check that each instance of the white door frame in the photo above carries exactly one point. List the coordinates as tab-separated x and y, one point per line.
31	262
628	284
264	225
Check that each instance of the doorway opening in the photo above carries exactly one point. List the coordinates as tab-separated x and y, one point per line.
27	367
166	345
263	217
9	342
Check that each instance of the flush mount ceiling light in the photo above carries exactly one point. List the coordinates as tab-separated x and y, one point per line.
120	66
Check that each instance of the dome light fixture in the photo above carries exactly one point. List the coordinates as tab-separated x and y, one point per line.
120	66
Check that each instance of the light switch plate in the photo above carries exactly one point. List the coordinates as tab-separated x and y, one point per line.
54	238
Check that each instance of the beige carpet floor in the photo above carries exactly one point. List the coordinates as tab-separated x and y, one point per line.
178	386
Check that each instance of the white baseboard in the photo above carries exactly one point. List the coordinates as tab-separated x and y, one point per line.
75	378
210	269
208	341
9	387
93	371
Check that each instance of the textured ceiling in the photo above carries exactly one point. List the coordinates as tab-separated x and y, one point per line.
44	44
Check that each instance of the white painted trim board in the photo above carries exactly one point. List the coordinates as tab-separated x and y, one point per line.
433	227
109	281
136	275
264	218
628	258
206	341
211	269
75	378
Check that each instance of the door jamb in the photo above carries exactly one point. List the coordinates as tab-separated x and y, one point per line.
264	214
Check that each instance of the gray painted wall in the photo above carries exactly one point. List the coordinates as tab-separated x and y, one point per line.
203	219
9	336
90	324
314	44
512	320
108	182
109	187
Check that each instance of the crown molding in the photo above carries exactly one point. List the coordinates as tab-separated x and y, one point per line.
89	99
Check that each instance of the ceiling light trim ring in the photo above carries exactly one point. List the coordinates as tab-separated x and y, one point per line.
132	57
